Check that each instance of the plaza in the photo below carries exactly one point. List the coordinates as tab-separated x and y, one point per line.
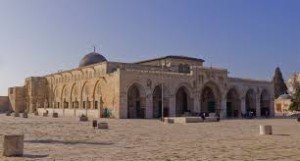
65	139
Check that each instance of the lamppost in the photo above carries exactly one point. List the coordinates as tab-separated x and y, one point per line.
162	89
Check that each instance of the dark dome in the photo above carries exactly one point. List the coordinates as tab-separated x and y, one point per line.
91	58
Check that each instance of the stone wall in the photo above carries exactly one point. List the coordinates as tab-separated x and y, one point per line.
35	92
4	104
192	83
171	62
17	98
91	87
91	113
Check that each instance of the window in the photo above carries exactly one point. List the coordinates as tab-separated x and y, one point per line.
184	68
180	68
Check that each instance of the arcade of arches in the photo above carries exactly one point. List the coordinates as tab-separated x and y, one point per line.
210	102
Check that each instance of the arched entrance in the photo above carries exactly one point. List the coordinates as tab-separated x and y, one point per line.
182	101
265	101
136	102
251	102
233	105
157	102
210	98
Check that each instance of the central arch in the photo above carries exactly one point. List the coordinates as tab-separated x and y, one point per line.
251	102
233	104
210	98
183	101
136	101
157	102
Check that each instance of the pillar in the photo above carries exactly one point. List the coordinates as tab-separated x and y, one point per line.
258	114
149	106
223	108
196	104
243	105
172	106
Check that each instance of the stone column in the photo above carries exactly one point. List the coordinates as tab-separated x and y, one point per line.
92	104
172	106
196	104
101	107
243	105
258	106
149	108
87	106
223	108
123	105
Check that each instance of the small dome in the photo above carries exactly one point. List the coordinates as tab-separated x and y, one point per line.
285	97
91	58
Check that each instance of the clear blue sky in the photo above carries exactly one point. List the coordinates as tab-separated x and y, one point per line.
248	37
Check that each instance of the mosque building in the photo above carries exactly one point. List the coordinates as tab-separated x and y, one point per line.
170	85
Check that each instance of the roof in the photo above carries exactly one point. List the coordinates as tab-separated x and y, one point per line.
172	57
285	97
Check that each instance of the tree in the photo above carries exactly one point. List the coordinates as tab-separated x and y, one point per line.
279	85
295	105
293	83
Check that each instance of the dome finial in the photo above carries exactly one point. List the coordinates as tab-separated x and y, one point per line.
94	46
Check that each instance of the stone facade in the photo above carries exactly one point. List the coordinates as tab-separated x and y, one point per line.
17	98
140	90
282	104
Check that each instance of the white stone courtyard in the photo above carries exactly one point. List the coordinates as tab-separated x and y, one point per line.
67	139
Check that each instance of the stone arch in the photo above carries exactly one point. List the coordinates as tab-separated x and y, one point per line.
65	96
74	95
158	103
97	94
233	103
265	103
250	102
86	95
184	102
211	97
53	93
136	101
56	97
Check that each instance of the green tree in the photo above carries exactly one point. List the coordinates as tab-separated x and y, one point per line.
295	105
279	85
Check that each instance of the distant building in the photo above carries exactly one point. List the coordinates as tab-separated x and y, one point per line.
135	90
282	104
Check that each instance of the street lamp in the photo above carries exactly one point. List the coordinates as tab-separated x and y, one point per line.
162	89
